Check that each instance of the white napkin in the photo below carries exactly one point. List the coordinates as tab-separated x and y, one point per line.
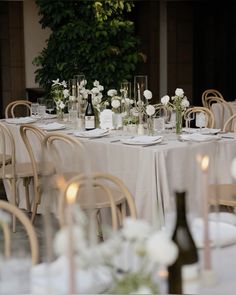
92	133
221	233
52	126
225	217
199	137
202	131
143	139
92	281
22	120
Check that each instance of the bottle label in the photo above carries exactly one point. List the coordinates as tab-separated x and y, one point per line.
190	278
89	122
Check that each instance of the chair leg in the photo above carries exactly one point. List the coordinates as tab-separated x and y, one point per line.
26	182
99	226
13	188
35	204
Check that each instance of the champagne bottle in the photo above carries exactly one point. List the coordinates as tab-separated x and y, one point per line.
184	273
89	114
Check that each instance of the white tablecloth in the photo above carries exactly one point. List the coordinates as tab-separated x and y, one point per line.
153	173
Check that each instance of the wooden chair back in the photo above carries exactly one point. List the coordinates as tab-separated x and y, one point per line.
210	120
18	107
210	92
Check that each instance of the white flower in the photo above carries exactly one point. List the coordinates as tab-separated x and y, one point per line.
95	90
165	99
147	94
134	112
61	105
115	103
66	93
96	83
112	92
143	290
63	83
61	241
179	92
161	249
185	103
100	87
83	83
233	168
97	99
135	229
56	82
150	110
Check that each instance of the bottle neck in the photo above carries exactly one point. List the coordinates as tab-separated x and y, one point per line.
181	208
89	98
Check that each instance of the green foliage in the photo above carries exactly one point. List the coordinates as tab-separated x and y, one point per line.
95	38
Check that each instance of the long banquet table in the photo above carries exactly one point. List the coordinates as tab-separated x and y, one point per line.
152	173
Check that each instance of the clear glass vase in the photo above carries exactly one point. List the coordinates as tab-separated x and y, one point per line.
150	126
178	123
60	114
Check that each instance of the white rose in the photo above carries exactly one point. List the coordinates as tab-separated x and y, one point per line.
112	92
134	112
66	93
147	94
165	99
150	110
61	105
185	103
179	92
83	83
96	100
161	249
96	83
135	229
95	90
115	103
100	87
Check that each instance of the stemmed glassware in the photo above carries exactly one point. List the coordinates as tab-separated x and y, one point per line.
190	117
49	105
200	120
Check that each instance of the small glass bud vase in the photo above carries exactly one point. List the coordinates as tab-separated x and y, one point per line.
150	126
178	123
60	114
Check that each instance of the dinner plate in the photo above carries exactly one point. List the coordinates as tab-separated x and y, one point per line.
46	116
198	137
142	140
21	120
52	126
202	131
95	133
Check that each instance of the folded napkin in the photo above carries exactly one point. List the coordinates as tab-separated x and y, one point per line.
199	137
54	278
202	131
52	126
92	133
220	233
22	120
225	217
144	139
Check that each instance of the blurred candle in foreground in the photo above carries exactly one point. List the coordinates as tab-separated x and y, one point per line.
71	194
207	257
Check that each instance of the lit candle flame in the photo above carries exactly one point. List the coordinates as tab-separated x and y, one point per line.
205	163
72	192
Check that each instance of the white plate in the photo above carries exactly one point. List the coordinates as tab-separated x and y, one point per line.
95	133
22	120
197	137
203	131
142	140
52	126
220	233
47	116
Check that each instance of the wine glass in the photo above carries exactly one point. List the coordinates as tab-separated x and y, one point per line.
34	109
49	105
190	117
200	120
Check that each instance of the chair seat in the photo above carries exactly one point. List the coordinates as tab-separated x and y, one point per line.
26	170
223	194
100	199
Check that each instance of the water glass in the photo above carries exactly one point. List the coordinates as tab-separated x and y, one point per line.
34	108
41	111
159	124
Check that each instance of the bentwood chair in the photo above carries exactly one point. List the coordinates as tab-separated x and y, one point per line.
210	92
12	172
6	207
209	116
18	107
230	124
98	191
32	137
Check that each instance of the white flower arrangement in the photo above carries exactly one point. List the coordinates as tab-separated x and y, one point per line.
137	245
60	94
177	102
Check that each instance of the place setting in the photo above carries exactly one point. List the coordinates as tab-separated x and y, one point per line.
52	126
90	134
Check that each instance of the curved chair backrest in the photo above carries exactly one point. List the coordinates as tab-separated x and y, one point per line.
109	184
210	92
11	108
33	240
210	120
58	145
230	124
